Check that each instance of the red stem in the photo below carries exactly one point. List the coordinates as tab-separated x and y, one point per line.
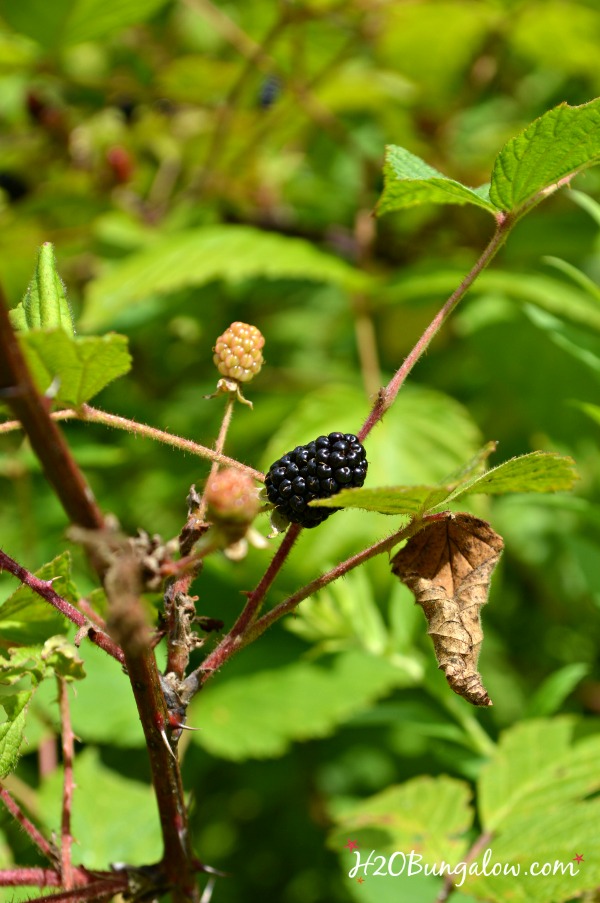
227	648
96	889
45	848
68	751
235	639
387	395
44	589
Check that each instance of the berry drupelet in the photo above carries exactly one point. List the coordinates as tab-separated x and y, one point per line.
315	471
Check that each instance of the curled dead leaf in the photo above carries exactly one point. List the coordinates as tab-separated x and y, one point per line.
448	566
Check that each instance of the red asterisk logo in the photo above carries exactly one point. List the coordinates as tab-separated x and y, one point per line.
351	844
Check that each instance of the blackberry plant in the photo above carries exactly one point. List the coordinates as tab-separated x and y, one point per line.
446	559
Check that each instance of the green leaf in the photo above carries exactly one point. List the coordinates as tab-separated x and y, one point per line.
563	141
45	304
592	410
345	615
408	181
553	691
106	799
582	344
103	710
63	658
11	731
193	258
407	500
56	656
261	715
64	22
536	472
537	770
79	367
537	799
546	292
429	815
27	618
21	661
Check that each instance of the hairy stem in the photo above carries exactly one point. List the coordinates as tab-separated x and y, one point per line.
387	395
68	751
93	415
44	589
46	849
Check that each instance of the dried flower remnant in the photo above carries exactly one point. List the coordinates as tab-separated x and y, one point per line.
448	566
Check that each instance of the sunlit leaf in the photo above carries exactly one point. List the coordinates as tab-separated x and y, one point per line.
75	368
260	715
563	141
11	730
45	304
193	258
409	181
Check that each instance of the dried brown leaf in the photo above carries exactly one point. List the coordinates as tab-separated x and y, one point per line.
448	566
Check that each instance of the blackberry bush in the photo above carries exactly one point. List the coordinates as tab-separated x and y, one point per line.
315	471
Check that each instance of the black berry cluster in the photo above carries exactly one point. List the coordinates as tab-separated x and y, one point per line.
315	471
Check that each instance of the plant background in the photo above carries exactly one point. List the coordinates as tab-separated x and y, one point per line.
116	147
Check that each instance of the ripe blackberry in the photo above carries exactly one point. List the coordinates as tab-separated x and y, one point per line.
315	471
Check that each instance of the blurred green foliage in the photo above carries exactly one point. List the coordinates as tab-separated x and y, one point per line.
194	164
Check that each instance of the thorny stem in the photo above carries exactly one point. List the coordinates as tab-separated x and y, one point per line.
44	589
128	623
68	752
387	395
102	889
45	848
93	415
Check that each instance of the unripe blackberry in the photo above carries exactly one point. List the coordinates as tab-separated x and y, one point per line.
238	352
315	471
232	501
